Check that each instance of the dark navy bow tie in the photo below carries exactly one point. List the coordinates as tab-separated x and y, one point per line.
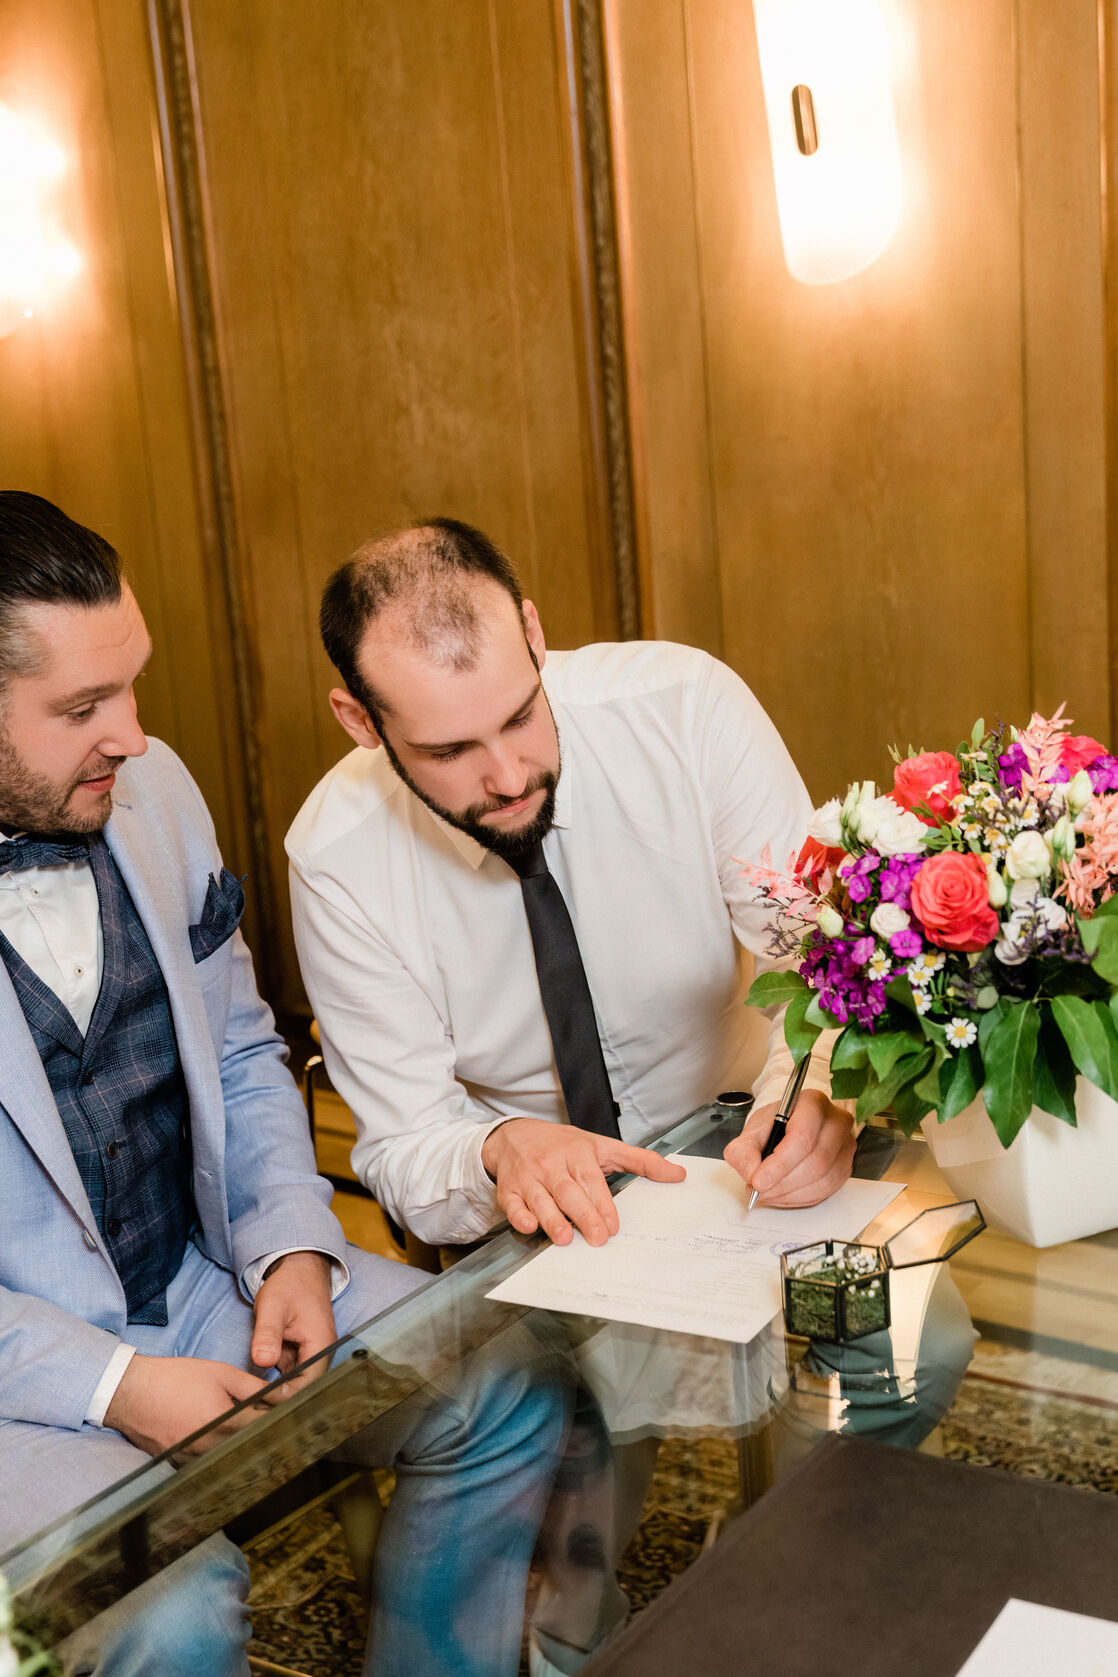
34	851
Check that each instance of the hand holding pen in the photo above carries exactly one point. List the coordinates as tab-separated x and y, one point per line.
780	1118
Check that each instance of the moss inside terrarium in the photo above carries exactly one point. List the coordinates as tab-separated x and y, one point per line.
812	1310
816	1279
865	1308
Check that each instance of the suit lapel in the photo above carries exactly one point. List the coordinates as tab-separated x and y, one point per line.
26	1097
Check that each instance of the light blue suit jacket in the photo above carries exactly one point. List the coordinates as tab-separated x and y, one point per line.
62	1310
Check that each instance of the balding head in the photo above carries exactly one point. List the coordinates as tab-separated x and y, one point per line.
428	589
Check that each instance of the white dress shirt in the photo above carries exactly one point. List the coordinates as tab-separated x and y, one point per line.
418	961
52	918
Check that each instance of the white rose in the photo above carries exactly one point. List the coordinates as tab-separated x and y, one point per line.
888	919
829	921
824	825
1023	893
1028	857
996	892
1010	948
897	832
1053	916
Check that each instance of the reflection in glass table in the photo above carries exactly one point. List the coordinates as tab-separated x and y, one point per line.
760	1407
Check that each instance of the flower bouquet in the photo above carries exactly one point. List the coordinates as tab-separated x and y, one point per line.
960	930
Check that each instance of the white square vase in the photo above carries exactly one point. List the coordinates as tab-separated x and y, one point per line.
1054	1183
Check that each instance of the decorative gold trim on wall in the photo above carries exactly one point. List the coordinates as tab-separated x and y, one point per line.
191	243
583	44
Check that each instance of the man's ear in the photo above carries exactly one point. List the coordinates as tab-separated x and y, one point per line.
354	718
533	630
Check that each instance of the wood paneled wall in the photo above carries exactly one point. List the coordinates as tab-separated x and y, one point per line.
94	409
884	501
351	264
389	197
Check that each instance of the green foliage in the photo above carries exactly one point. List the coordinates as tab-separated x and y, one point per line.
799	1032
1009	1055
1089	1030
774	989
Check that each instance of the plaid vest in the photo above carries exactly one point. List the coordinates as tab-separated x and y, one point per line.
121	1097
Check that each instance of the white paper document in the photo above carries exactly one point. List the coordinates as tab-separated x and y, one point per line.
687	1257
1032	1641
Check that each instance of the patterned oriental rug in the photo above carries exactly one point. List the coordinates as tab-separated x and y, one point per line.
307	1614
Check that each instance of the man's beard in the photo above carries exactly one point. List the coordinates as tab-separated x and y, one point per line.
509	845
30	803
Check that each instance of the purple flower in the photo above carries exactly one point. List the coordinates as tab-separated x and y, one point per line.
861	951
1013	765
859	887
906	945
1103	773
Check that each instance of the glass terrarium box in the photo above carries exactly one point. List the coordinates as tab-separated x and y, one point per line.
839	1289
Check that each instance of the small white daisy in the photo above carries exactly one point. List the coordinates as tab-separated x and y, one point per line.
961	1033
922	999
996	842
972	831
991	806
879	965
925	967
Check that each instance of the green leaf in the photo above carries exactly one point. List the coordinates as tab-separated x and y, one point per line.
1054	1081
927	1088
978	733
773	989
900	990
848	1082
909	1106
879	1092
851	1050
798	1034
1088	1029
817	1014
885	1051
960	1079
1104	936
1009	1053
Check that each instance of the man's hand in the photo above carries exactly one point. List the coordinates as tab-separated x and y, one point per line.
550	1176
162	1399
811	1162
294	1316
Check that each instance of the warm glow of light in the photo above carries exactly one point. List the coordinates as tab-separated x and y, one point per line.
34	263
839	206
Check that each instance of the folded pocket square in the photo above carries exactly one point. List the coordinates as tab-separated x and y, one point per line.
221	915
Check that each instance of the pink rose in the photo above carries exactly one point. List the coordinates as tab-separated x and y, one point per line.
1078	751
932	778
949	900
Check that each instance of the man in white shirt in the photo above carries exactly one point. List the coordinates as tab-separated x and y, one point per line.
165	1242
652	776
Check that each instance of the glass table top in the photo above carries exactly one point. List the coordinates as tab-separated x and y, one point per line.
1002	1356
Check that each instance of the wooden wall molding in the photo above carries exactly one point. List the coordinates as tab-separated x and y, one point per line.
596	244
192	248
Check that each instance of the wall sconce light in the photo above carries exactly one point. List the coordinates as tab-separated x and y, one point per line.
836	161
34	262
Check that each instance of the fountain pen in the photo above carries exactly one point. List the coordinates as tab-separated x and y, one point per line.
781	1116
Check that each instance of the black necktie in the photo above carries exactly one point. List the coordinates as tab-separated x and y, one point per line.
566	999
34	851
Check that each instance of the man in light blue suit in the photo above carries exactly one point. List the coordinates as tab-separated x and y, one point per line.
165	1242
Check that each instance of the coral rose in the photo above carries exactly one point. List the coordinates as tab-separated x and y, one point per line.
1079	751
949	900
932	778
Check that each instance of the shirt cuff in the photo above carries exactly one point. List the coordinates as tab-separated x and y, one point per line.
254	1272
105	1389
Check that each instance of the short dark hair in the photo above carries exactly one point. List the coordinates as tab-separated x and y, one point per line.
428	562
46	559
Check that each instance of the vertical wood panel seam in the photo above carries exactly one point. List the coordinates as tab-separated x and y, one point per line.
513	290
708	383
168	22
1023	312
1108	88
594	135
